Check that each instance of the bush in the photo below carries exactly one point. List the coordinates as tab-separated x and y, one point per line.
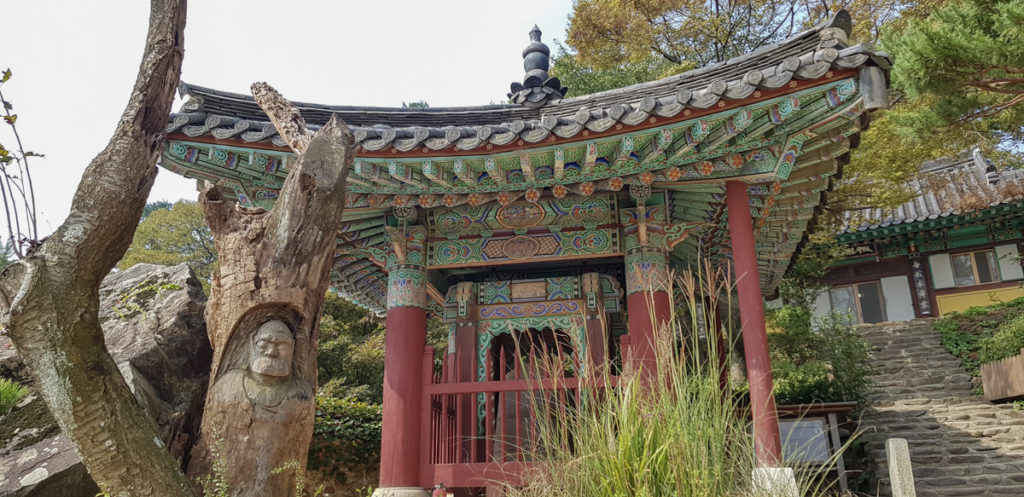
11	392
346	434
963	333
1006	342
827	364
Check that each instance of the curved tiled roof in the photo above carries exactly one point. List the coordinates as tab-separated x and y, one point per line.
806	56
943	188
782	118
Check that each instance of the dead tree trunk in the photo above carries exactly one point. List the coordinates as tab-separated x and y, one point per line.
264	311
50	299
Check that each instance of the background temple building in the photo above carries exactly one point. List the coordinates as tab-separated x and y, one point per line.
956	244
556	220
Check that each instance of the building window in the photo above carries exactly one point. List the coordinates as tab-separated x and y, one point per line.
862	301
975	268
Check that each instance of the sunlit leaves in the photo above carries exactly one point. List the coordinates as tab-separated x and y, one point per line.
584	80
173	236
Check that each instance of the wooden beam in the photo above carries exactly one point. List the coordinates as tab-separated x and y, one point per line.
559	163
694	136
463	171
437	174
402	172
494	171
588	162
526	166
373	173
662	141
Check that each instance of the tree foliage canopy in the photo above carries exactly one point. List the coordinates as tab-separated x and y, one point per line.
173	235
608	34
962	68
958	79
582	79
960	75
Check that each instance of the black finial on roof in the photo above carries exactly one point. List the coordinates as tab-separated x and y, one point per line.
537	87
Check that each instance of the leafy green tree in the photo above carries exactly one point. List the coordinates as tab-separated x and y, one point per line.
171	236
155	206
958	80
609	33
6	254
962	67
582	79
350	360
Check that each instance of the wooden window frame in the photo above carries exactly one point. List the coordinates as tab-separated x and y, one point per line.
997	275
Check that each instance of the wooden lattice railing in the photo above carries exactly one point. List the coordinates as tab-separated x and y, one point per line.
481	432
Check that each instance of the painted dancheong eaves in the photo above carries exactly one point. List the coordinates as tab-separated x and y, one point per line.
537	87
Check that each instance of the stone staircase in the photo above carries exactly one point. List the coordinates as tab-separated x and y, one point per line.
960	444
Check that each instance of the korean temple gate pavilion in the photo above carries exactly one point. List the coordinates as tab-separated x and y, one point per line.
555	221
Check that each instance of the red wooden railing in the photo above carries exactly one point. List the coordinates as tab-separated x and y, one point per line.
461	448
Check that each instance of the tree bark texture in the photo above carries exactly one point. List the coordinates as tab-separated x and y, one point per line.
264	311
50	299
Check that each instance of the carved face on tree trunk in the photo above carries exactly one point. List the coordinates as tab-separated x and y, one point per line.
271	349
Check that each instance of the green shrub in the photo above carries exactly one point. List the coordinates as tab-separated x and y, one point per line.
346	433
963	333
829	363
11	392
1006	342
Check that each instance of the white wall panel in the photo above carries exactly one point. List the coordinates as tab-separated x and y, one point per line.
942	272
1009	264
899	304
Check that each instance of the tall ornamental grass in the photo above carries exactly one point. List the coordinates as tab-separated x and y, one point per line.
669	434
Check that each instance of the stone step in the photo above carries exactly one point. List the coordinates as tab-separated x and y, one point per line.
946	456
940	363
964	481
928	392
960	444
942	404
908	340
978	429
922	379
883	357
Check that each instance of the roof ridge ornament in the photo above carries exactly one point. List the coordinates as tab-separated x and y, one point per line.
537	87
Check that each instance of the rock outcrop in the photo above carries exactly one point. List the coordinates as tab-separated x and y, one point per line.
154	328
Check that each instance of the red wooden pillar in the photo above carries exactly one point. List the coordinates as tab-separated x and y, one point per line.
648	304
755	338
466	368
404	340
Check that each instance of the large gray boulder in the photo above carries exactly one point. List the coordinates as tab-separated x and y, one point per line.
154	328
